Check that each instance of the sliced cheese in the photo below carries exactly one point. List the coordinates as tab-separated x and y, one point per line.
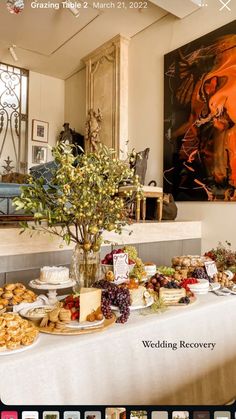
90	300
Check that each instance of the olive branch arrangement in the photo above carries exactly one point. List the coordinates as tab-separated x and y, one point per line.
82	199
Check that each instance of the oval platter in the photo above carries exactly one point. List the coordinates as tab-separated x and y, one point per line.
70	332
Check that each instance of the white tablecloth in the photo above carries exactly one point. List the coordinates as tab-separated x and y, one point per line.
113	367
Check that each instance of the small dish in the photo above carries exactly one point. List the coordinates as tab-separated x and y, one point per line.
36	313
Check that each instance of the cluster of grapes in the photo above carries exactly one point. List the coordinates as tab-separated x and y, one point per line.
172	284
200	273
155	282
184	300
114	295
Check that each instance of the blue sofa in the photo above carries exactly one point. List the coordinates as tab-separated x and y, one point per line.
8	191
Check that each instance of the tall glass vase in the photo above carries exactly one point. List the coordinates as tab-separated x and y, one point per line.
85	267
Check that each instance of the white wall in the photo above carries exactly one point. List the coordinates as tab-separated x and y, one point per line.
46	103
146	95
146	64
75	101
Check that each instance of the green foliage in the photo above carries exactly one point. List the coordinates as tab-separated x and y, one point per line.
82	197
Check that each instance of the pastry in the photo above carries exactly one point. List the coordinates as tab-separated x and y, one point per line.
14	332
3	345
179	262
10	287
20	285
7	295
18	291
54	275
13	294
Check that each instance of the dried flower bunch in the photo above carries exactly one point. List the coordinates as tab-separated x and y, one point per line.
82	199
224	256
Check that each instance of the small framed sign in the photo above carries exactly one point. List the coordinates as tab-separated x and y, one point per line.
40	131
121	267
211	268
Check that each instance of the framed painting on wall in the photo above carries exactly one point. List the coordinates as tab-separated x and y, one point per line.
200	118
40	131
39	154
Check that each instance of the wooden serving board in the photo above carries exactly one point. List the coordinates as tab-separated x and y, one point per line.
70	332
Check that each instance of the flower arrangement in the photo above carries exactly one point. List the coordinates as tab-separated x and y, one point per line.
82	199
224	256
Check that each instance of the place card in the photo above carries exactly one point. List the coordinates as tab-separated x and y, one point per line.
211	268
121	267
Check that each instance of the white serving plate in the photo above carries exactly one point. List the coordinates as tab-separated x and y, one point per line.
84	325
214	286
200	292
133	308
35	283
21	349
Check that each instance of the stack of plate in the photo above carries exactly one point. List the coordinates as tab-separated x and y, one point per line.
202	287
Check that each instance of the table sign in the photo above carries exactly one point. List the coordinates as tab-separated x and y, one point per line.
121	267
211	268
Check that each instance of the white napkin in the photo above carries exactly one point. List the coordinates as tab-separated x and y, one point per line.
42	300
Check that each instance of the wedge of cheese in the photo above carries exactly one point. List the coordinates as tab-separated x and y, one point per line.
90	300
171	296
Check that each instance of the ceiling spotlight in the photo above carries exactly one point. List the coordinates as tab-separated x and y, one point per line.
73	9
12	52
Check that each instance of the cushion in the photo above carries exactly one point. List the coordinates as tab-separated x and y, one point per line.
45	171
9	189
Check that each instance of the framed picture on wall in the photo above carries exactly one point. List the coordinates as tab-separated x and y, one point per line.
39	154
40	131
199	118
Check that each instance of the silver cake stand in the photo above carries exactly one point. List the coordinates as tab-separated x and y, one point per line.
51	288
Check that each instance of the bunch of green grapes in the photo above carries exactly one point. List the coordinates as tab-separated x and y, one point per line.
132	252
165	270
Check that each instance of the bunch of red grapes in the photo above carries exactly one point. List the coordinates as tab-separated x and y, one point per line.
117	296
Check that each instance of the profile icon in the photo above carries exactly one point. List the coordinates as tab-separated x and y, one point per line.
15	6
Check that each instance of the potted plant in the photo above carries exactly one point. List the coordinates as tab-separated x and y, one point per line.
80	203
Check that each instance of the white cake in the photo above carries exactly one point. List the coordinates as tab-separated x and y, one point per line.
54	275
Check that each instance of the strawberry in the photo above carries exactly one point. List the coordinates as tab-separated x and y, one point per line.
75	315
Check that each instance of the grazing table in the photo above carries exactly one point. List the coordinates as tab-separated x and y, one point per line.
114	367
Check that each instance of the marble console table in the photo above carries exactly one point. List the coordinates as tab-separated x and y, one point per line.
21	256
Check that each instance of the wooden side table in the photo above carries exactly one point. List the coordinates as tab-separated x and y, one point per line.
140	204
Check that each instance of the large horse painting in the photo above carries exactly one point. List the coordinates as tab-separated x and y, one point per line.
200	118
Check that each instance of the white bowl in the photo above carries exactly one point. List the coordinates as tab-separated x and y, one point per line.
37	316
150	269
201	287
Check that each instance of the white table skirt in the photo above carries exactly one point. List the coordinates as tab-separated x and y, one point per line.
113	367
